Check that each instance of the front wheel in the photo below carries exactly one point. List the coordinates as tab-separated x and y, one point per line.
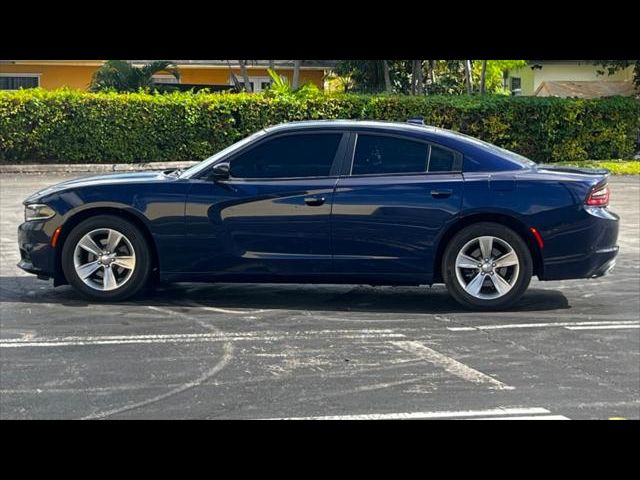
487	266
106	258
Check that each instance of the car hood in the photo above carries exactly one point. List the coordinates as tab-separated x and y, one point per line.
99	180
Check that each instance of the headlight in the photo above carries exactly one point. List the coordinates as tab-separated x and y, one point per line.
38	211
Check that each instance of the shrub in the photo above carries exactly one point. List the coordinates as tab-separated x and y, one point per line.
70	126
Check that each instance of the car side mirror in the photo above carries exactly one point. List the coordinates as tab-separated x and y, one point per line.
220	172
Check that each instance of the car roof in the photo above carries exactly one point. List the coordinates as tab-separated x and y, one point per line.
401	127
304	124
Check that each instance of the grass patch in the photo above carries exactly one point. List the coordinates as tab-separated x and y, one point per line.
617	167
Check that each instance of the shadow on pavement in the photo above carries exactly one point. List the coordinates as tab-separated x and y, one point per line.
346	298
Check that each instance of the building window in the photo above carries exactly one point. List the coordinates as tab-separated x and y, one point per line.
16	81
162	78
516	83
258	84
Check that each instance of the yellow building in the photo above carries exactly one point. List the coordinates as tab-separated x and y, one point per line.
536	78
77	74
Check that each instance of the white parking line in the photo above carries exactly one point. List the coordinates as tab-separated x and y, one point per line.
470	414
450	365
603	327
530	417
543	325
194	337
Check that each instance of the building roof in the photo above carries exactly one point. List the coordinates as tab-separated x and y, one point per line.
585	89
306	64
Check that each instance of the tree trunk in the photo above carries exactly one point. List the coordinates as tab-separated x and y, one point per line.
296	74
271	67
429	75
467	75
419	78
413	77
483	76
387	76
245	75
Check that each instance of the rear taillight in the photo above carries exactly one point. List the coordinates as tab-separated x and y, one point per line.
598	196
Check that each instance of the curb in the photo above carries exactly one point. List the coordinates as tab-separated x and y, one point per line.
91	167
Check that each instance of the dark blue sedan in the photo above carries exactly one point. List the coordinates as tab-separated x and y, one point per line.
329	202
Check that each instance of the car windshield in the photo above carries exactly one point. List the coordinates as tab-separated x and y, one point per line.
189	172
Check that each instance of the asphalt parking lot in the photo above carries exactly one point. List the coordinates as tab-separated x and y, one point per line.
569	349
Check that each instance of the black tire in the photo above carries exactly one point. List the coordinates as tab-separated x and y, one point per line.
499	231
141	272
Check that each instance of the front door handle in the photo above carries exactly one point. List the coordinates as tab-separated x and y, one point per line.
445	193
314	201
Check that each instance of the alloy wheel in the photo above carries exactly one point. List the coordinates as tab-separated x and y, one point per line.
104	259
487	267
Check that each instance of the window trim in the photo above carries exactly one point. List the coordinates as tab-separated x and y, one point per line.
20	74
337	158
428	143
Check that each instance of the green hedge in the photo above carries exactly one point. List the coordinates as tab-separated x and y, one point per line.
70	126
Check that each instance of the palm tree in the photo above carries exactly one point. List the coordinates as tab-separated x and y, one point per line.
122	76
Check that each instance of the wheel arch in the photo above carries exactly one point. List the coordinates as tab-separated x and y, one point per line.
501	218
76	218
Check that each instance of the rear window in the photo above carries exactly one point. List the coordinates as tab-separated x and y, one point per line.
377	155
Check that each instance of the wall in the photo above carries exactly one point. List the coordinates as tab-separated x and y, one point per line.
531	79
79	76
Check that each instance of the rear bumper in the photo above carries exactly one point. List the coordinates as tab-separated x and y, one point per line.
595	265
585	250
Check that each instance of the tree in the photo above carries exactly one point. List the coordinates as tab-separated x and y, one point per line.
271	67
483	76
430	77
387	77
365	76
467	76
495	72
296	74
612	66
122	76
418	74
245	75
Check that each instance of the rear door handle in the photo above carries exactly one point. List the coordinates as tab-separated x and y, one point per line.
441	193
314	201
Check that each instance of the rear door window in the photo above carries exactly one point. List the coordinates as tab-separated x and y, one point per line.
380	154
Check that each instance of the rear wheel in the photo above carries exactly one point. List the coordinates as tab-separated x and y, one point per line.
487	266
106	258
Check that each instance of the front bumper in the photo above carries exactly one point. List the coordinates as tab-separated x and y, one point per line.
36	254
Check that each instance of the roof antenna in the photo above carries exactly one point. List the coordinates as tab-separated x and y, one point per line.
416	121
